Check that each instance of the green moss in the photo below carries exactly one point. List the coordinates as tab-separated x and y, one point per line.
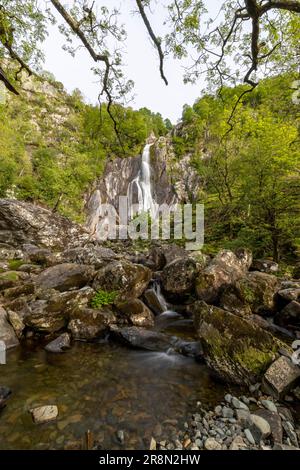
103	298
15	263
202	282
9	276
247	293
254	359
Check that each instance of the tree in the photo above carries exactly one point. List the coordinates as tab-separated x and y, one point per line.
251	178
249	39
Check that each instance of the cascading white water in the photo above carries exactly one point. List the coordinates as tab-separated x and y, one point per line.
162	301
141	185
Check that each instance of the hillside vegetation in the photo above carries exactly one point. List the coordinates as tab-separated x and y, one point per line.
250	171
54	146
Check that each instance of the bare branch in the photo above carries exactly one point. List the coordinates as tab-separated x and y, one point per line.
155	40
7	83
75	27
293	6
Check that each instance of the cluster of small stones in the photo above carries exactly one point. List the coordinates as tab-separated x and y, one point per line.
234	425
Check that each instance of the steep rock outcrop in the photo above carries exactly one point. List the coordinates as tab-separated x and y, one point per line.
21	222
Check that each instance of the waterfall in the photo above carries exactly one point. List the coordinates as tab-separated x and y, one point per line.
141	186
162	301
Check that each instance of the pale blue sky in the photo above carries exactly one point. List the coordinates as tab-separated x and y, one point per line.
141	66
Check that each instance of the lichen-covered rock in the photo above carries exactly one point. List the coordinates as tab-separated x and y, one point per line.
280	377
36	255
128	280
264	266
9	279
289	294
178	277
65	276
96	256
137	313
154	301
43	319
141	338
50	310
16	321
237	350
18	291
22	222
7	334
254	293
226	268
90	324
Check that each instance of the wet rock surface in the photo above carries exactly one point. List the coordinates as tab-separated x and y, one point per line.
91	293
223	270
236	349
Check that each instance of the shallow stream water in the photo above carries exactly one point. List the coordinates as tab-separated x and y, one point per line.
103	388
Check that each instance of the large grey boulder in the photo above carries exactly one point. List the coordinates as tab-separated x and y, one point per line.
60	344
22	222
178	277
89	324
226	268
236	349
141	338
64	277
253	293
128	280
90	254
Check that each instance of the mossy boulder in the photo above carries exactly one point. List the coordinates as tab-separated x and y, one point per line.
226	268
178	277
49	310
254	293
9	279
236	349
127	279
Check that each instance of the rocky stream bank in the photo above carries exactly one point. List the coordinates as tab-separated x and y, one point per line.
222	327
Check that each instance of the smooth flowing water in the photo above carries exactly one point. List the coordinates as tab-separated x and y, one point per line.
103	388
141	187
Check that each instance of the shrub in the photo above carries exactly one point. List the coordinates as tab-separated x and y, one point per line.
103	298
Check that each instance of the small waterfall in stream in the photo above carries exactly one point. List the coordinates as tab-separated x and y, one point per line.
162	301
141	187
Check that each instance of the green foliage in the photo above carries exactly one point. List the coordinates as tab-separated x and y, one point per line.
103	298
54	146
251	177
14	264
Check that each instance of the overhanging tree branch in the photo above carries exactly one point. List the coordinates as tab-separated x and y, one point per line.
75	27
154	38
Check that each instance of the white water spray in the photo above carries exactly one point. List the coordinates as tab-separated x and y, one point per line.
142	186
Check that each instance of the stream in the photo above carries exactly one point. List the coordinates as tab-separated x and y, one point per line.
104	388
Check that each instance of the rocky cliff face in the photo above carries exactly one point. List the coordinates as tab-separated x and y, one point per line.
172	180
21	222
